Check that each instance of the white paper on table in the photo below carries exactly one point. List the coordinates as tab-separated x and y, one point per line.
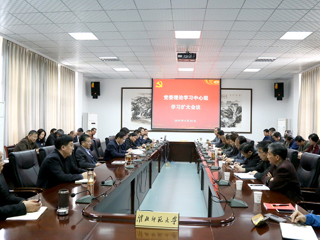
118	162
137	151
244	175
258	187
29	216
295	231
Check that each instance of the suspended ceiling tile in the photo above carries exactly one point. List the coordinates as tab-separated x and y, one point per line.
124	15
218	15
81	5
49	6
102	27
93	16
153	4
156	15
158	26
261	4
47	28
217	25
108	35
188	25
256	15
62	17
189	4
225	3
116	4
129	26
188	14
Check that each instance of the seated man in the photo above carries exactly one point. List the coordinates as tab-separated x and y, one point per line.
220	134
79	133
309	219
114	149
52	137
303	145
251	155
84	156
93	132
130	141
225	144
282	175
239	157
271	131
267	137
28	143
11	205
148	140
277	137
263	167
216	139
233	151
142	138
126	131
58	167
294	145
289	141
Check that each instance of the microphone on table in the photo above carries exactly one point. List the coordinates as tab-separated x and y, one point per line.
102	194
110	182
220	181
86	199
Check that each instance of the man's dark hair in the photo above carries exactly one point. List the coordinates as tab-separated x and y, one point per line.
263	145
299	139
272	129
221	132
83	138
266	130
52	130
59	132
125	130
80	130
288	137
140	128
246	147
32	132
276	134
145	129
278	149
93	129
231	136
120	135
217	128
62	141
132	134
314	137
242	139
136	132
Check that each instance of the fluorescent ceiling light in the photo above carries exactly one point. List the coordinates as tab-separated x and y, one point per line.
252	70
83	36
295	35
187	34
122	69
185	69
108	58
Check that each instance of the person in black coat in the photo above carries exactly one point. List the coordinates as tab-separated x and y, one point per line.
53	136
79	133
11	205
130	141
84	156
58	167
263	166
282	176
251	155
114	149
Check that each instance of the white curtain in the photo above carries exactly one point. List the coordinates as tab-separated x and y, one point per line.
67	104
309	114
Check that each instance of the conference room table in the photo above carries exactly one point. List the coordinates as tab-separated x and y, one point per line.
113	216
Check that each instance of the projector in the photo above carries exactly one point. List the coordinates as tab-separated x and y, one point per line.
187	57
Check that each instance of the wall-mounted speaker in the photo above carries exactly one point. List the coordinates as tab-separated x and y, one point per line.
95	89
278	91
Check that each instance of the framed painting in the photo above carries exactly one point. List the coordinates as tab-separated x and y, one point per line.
236	110
136	108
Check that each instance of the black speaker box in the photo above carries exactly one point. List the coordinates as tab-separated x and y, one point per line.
95	89
278	91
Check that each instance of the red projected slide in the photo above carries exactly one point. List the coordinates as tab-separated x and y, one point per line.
186	104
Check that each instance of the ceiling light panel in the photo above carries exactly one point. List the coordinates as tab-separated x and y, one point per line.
187	34
295	35
83	36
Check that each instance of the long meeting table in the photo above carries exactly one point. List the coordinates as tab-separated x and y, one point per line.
112	215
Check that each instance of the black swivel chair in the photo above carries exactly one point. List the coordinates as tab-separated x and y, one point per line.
308	170
99	147
93	149
43	152
25	168
293	156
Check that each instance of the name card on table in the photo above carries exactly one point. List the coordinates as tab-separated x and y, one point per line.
163	220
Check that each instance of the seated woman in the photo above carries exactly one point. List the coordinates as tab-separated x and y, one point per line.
41	140
282	176
313	140
11	205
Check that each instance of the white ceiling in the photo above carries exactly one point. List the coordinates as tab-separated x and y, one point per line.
141	34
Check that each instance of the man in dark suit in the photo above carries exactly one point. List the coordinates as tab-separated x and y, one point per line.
148	140
114	149
251	155
58	167
141	139
79	133
53	136
130	141
11	205
282	176
84	156
28	143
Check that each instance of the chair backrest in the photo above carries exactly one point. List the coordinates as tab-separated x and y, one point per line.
94	150
25	167
73	156
308	170
293	156
108	139
9	149
43	152
99	147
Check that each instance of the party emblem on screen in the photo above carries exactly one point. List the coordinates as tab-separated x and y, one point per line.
159	84
212	82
